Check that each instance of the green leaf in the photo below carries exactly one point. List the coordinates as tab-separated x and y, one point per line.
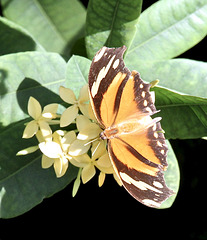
111	23
172	176
55	24
16	39
183	75
23	183
28	74
183	116
77	73
169	28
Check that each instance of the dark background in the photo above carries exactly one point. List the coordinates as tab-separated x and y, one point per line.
110	211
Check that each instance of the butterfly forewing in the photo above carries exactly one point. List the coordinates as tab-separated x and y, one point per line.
123	106
107	74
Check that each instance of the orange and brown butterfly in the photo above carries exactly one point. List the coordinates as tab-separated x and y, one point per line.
123	105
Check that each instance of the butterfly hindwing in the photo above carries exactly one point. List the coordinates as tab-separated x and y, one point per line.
150	190
123	105
140	166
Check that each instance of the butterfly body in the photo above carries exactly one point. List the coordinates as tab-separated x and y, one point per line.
123	106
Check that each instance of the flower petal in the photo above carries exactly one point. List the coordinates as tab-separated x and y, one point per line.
104	161
47	162
27	150
78	147
77	164
67	140
68	116
116	177
45	130
83	158
88	172
60	166
91	113
98	149
39	136
90	132
104	164
101	179
50	149
82	122
30	129
77	183
50	111
67	95
57	136
84	108
84	94
34	108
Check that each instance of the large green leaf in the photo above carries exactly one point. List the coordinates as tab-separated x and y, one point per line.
77	73
23	183
183	116
169	28
55	24
172	176
183	75
16	39
111	23
28	74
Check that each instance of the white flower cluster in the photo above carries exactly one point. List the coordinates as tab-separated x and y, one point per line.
81	147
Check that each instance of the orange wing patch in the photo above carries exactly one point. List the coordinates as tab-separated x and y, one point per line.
131	158
109	97
135	100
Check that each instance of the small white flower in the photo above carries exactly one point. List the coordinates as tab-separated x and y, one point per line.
42	119
56	151
71	112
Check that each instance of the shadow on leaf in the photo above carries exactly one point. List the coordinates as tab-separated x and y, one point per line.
3	88
29	87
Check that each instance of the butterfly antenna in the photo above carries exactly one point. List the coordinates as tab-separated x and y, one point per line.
96	148
93	140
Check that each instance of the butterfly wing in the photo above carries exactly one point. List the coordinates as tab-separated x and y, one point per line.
147	184
105	80
140	157
120	98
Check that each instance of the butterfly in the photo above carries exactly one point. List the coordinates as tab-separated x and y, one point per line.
123	106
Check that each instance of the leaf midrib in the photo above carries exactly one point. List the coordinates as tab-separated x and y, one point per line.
49	20
19	170
113	21
181	105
